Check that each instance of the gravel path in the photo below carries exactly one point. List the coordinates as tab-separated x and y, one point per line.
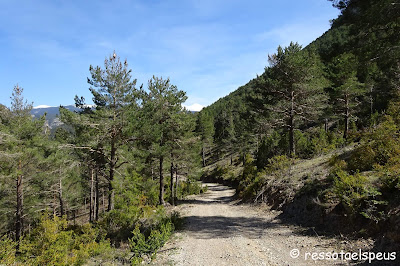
218	231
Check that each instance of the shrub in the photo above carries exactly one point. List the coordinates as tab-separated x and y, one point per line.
52	244
189	187
380	145
353	190
135	198
302	144
7	251
268	148
278	165
145	241
362	159
248	173
251	190
337	164
389	175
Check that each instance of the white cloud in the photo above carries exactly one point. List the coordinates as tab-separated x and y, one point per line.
194	107
41	106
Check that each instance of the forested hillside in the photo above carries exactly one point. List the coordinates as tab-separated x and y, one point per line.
316	135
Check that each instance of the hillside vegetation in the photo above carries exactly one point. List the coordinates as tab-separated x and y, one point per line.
316	135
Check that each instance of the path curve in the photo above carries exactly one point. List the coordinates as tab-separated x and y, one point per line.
218	231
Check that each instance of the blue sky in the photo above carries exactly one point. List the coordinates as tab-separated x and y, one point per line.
207	48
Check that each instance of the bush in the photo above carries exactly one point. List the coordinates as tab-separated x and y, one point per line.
379	147
302	144
268	148
7	251
362	159
389	175
278	165
354	191
320	142
146	240
248	174
251	190
337	164
52	244
135	198
190	187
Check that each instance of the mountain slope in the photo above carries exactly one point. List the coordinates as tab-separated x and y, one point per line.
52	114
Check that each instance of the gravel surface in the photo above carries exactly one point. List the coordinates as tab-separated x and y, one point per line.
218	231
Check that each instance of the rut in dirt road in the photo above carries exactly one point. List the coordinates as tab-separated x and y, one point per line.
218	231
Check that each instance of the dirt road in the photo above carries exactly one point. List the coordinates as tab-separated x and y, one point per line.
218	231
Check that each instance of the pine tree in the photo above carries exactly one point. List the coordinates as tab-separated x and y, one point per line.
162	105
21	161
113	93
347	90
224	133
292	88
205	130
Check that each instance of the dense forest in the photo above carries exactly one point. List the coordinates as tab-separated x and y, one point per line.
316	135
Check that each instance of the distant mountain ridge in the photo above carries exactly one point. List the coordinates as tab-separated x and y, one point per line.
52	114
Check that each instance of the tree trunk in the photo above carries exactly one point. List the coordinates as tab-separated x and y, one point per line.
176	181
162	202
19	211
111	177
203	156
292	150
96	195
91	209
371	99
60	198
326	125
172	185
104	200
346	118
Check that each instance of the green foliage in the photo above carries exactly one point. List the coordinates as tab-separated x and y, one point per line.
224	171
267	149
248	174
337	164
358	195
350	189
323	142
190	187
380	146
278	165
7	251
51	243
135	198
252	185
253	181
162	122
147	240
362	159
292	88
390	176
303	144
